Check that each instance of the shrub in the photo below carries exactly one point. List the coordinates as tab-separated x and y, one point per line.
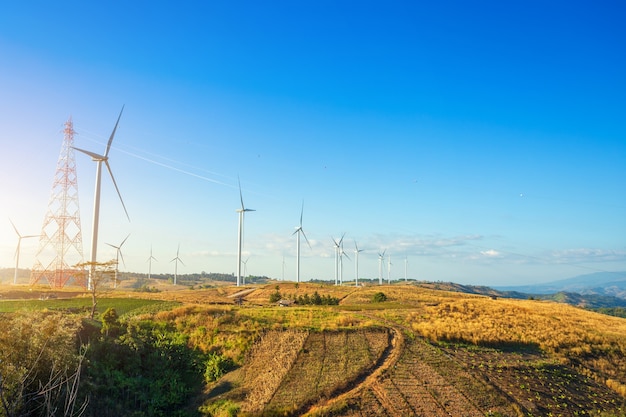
216	365
275	296
379	297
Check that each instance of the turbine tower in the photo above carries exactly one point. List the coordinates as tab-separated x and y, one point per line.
337	246
381	256
150	258
356	264
118	255
61	241
283	265
341	255
406	267
389	270
241	212
176	260
298	232
17	251
245	270
99	159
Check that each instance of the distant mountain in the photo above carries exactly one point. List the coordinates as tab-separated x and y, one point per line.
611	284
591	300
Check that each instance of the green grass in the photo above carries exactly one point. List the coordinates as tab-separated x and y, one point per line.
121	305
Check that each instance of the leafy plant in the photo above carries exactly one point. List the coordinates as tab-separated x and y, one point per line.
379	297
216	365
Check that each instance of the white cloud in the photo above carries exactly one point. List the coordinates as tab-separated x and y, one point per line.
491	253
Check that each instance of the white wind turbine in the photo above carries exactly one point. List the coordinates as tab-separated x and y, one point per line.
241	212
245	270
99	159
150	258
299	231
389	270
337	246
341	255
381	257
356	264
283	265
17	250
176	260
118	255
406	267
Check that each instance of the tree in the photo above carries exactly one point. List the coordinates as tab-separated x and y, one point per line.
102	277
110	322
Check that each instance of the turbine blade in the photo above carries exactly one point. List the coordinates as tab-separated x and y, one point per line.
113	246
301	213
93	155
106	153
124	240
307	240
122	257
240	194
117	189
181	261
15	228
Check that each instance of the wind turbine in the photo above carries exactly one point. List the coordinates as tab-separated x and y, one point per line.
176	260
99	159
283	277
389	270
118	255
337	246
381	256
245	270
241	212
17	250
299	231
406	266
150	258
341	255
356	264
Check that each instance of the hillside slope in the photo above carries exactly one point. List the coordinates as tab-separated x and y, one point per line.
450	354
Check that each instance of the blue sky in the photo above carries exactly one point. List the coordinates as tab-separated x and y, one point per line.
483	143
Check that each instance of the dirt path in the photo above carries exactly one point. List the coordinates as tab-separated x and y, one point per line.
406	384
242	293
390	358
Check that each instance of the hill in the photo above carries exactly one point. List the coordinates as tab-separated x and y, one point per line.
612	284
447	353
587	299
430	349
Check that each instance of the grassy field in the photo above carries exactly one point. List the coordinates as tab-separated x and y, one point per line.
83	304
421	352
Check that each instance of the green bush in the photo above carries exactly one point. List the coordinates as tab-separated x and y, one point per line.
221	408
216	365
379	297
275	296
